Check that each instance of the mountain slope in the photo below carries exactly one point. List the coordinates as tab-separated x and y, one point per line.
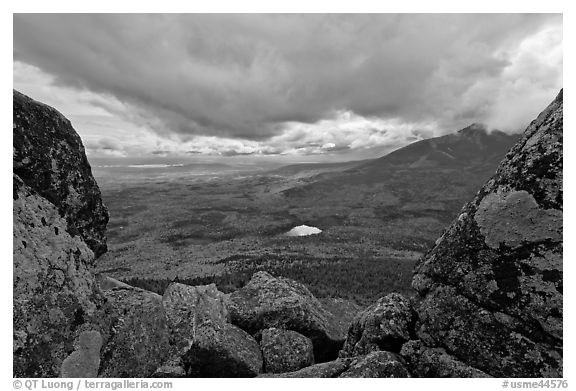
470	146
411	193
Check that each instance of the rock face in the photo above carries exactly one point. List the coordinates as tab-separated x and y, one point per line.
285	351
282	303
385	325
54	291
491	288
49	157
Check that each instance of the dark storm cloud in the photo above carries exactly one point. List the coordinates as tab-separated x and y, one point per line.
246	76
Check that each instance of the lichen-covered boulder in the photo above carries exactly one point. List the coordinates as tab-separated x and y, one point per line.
285	350
435	362
49	157
135	331
55	295
267	301
377	364
491	288
222	350
328	369
206	345
385	325
187	306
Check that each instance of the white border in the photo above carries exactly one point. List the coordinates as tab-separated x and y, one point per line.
433	6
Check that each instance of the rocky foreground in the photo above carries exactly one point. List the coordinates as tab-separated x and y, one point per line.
489	293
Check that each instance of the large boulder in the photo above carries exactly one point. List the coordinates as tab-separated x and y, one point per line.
187	306
267	301
385	325
206	344
55	294
135	331
222	350
285	350
491	288
49	157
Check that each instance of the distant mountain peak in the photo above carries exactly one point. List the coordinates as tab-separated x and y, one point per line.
471	146
479	129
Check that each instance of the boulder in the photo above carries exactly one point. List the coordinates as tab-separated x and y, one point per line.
136	333
55	294
206	344
491	288
222	350
385	325
377	364
186	306
49	157
328	369
435	362
267	302
285	350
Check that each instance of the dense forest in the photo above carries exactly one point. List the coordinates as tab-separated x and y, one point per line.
361	281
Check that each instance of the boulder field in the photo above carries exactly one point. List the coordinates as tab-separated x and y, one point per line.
488	297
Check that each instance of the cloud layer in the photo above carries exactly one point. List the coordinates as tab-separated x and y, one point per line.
314	83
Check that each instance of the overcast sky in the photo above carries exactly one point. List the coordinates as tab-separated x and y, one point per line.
333	87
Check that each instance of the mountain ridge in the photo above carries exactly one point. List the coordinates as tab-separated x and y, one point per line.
471	145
